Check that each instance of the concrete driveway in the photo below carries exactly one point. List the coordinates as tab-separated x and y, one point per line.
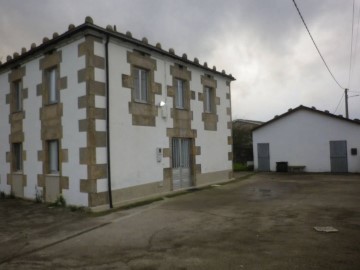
263	222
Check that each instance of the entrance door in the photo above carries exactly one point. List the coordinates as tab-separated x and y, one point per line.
263	157
338	157
181	169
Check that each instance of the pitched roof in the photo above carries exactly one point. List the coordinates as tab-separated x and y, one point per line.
246	121
49	44
313	110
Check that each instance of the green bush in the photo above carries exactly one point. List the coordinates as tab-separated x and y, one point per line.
241	167
60	201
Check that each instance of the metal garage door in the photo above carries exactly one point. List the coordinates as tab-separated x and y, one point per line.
263	157
181	169
338	157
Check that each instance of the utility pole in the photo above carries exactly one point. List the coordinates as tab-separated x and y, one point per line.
346	103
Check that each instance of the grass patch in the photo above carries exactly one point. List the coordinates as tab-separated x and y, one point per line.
241	167
74	208
141	203
60	202
4	196
125	207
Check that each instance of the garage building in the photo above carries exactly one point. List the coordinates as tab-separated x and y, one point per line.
306	139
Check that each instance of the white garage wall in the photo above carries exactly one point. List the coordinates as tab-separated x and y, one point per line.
302	138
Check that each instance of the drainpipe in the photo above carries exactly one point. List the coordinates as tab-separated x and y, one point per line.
108	120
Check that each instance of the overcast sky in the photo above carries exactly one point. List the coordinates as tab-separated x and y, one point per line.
262	43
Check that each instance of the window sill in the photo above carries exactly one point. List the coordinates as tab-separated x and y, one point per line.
53	174
142	102
52	103
19	111
182	109
18	172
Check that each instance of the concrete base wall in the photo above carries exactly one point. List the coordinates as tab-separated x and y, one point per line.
126	196
52	189
17	185
213	177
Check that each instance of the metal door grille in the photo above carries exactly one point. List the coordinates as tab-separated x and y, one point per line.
181	163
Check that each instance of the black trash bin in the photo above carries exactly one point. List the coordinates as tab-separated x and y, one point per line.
281	166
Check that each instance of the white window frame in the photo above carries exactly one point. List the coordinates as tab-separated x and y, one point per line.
17	158
208	104
51	83
180	94
18	96
141	85
53	156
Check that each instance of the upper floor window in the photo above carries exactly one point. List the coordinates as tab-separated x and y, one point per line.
51	86
141	77
208	100
53	156
17	96
17	157
180	94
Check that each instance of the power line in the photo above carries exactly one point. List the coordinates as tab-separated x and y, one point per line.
351	46
298	10
342	96
356	39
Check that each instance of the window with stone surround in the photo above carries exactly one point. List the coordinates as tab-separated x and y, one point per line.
17	157
141	84
53	156
17	96
51	86
180	94
209	100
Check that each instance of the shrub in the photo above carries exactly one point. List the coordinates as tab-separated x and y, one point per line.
59	202
240	167
39	197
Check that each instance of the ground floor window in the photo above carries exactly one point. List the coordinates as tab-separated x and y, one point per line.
17	157
53	156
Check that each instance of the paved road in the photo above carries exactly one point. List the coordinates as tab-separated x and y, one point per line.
264	222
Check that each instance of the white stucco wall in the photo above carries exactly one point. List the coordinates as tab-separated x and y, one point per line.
4	132
302	138
133	148
73	139
32	128
214	145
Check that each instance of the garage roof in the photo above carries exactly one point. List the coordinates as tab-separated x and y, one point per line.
312	109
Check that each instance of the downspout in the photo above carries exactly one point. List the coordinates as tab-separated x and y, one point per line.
108	120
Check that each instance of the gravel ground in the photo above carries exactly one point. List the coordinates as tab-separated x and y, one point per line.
264	222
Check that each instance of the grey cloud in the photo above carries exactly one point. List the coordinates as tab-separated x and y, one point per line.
262	43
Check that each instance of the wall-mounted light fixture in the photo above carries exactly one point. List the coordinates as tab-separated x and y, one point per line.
163	107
